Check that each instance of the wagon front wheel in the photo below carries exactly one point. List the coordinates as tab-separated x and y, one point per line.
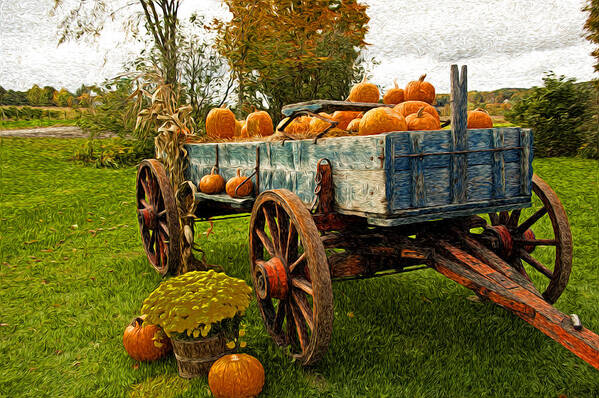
291	275
157	216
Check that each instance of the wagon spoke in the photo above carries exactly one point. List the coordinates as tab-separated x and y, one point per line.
290	323
302	284
296	262
504	217
494	218
164	227
291	244
284	227
266	242
277	325
304	306
300	326
531	220
272	227
514	218
536	264
162	213
536	242
144	203
517	264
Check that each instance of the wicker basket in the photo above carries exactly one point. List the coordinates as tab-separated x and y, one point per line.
195	357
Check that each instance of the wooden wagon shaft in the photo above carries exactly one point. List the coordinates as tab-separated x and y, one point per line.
502	289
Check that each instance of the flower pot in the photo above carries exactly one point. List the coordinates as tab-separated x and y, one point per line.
195	357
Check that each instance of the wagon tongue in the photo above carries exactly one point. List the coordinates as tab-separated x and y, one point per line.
499	282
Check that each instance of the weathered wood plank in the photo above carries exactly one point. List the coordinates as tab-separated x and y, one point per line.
459	133
418	198
498	165
526	161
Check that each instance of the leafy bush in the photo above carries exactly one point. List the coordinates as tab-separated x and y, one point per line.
115	152
557	113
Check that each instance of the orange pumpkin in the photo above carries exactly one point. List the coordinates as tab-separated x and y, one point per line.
479	119
422	121
299	125
394	95
259	123
212	183
238	126
381	120
145	342
419	90
220	123
318	125
354	125
234	182
244	131
343	118
408	107
364	92
236	376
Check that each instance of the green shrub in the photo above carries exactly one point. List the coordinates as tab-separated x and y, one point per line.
557	113
114	152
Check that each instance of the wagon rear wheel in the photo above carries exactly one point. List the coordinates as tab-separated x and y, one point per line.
157	216
537	237
291	275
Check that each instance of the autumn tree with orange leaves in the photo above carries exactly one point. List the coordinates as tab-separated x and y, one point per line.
286	51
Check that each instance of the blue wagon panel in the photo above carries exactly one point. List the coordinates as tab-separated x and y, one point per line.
391	178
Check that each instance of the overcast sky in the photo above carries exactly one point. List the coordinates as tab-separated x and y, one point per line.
505	43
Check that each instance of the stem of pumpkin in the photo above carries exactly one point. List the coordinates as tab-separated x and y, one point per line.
419	115
422	77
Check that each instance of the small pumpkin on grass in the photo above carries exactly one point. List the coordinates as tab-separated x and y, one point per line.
220	123
381	120
479	119
259	123
212	183
236	376
145	342
422	121
419	90
364	92
233	183
408	107
394	95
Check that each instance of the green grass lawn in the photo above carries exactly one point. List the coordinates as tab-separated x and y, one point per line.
73	273
27	124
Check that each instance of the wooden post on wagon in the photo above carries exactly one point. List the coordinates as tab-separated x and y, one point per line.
459	134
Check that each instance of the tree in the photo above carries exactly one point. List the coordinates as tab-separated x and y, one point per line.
159	17
592	27
35	95
48	95
292	50
2	93
557	113
62	98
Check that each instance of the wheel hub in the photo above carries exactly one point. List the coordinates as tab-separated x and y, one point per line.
147	217
503	240
271	279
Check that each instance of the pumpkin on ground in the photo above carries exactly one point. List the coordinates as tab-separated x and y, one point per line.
422	121
343	118
354	125
318	125
299	125
364	92
220	123
479	119
419	90
381	120
145	342
212	183
408	107
394	95
234	182
236	376
259	123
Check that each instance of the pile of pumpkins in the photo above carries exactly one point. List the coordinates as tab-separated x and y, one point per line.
413	110
231	376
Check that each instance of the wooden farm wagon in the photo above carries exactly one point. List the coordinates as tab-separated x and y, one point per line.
362	206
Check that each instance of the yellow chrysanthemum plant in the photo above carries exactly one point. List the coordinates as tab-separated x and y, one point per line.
199	304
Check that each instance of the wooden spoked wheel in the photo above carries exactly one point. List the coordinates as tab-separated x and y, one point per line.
537	237
291	276
157	216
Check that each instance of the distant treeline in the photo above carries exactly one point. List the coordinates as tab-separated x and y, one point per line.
46	96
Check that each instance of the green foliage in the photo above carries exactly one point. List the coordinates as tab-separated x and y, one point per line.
34	123
556	113
592	27
62	98
115	152
196	303
35	96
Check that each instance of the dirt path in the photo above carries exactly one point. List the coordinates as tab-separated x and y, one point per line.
50	132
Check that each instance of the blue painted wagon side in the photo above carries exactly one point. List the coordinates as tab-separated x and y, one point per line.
393	178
